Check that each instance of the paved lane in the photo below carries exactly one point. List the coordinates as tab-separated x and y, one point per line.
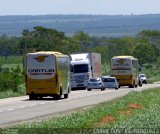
20	108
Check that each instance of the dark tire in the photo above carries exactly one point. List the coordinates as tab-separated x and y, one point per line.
132	86
57	97
102	89
41	97
31	97
89	89
83	88
116	88
35	97
140	84
65	96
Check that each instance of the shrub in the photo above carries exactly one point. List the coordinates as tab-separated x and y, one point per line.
10	80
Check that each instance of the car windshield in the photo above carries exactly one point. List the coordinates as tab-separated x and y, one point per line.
83	68
94	80
108	80
142	75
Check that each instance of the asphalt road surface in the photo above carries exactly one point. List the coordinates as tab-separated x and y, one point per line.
18	109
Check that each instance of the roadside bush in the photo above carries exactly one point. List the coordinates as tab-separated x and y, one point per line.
10	80
147	66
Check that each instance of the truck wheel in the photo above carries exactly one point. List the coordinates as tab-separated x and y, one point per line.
89	89
102	89
116	88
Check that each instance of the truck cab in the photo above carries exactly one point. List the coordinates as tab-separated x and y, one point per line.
80	73
83	67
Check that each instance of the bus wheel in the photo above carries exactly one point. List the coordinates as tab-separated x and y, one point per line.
40	97
57	97
31	97
83	88
131	86
65	96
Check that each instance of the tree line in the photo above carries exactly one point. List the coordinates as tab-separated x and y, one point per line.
144	46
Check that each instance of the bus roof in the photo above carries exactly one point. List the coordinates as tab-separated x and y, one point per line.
124	57
47	52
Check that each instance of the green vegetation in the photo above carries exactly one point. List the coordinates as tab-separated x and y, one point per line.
11	82
144	46
11	60
10	93
152	73
136	110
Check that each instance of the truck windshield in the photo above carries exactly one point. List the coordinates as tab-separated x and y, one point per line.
83	68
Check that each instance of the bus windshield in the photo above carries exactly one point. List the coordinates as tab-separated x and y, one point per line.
83	68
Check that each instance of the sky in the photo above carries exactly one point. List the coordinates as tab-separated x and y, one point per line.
96	7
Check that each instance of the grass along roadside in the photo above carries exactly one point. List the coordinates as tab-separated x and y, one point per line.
11	93
136	110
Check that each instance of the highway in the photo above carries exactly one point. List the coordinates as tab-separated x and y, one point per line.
13	110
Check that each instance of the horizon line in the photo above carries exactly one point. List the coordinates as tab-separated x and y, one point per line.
81	14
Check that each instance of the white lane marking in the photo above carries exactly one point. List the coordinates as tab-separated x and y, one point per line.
0	111
52	102
32	105
42	103
22	106
60	100
10	109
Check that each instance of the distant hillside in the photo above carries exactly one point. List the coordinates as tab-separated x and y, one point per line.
99	25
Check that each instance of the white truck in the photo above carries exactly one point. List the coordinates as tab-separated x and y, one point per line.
83	67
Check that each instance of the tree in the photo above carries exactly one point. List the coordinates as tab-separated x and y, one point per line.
121	46
41	38
82	39
144	53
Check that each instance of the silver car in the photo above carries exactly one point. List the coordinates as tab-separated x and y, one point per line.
95	83
143	78
110	82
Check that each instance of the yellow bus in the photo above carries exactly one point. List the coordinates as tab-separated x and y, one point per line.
125	69
47	74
